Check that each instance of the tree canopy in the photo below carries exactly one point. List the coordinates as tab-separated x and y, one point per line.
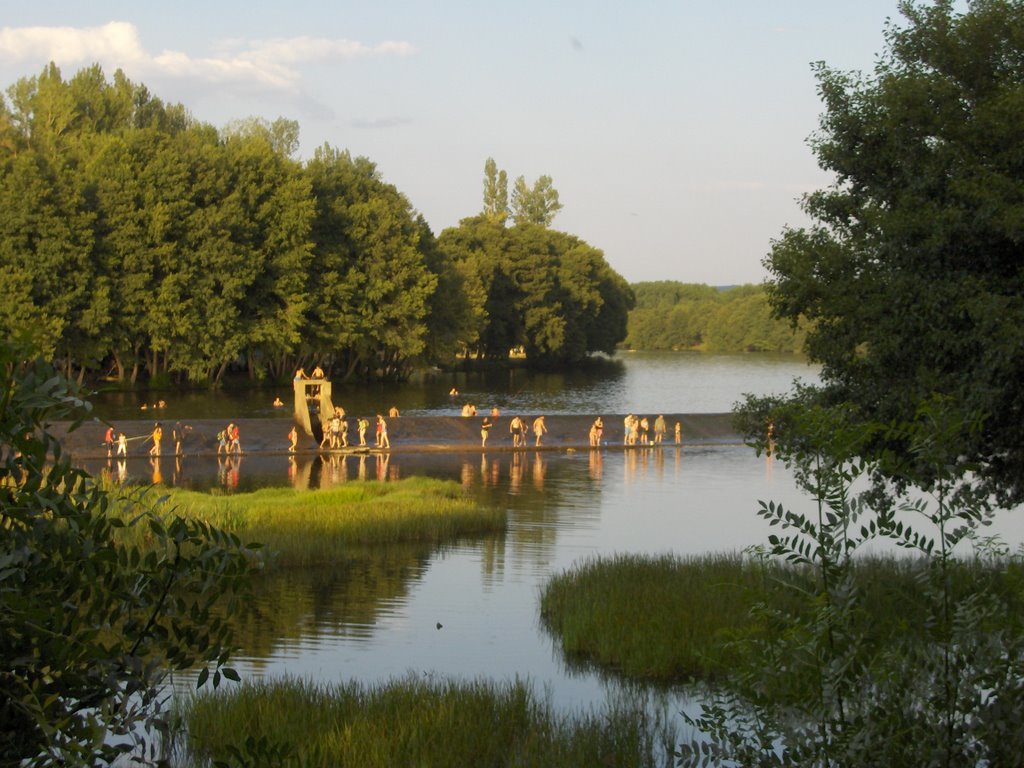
911	276
138	241
546	291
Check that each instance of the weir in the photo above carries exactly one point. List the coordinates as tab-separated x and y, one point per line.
313	406
407	433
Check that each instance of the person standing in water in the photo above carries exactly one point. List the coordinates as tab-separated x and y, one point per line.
659	429
539	429
515	428
156	436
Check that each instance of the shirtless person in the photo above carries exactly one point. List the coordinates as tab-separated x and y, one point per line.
515	427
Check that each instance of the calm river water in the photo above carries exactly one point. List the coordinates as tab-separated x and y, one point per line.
471	609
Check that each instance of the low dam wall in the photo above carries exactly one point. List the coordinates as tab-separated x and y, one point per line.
406	433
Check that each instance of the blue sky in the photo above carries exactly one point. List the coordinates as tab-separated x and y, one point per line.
674	132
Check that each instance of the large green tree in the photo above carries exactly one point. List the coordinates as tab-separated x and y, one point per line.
370	282
913	276
544	290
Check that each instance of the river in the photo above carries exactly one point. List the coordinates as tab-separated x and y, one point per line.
470	609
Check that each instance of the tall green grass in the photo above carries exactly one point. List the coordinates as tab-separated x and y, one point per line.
302	528
412	722
656	618
670	618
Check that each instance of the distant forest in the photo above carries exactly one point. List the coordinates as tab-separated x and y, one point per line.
673	315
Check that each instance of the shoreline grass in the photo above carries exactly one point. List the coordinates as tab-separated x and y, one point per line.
412	721
315	527
671	619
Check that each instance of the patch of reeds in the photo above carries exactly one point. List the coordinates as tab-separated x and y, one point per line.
656	618
670	618
412	721
312	527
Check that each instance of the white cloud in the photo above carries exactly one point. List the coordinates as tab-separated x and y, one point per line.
117	45
68	45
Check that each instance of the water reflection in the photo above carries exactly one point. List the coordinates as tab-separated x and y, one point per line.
305	609
511	472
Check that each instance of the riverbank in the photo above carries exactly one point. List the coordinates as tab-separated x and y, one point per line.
406	434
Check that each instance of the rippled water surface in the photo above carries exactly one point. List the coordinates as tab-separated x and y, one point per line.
471	609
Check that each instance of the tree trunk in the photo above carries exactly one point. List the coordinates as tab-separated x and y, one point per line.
119	367
220	372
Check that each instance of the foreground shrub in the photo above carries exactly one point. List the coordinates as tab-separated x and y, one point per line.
91	624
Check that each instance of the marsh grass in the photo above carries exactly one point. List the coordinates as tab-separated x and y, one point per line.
670	618
412	721
655	618
304	528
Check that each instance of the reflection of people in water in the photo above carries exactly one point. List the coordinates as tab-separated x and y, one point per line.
539	470
515	472
122	471
154	462
594	466
233	473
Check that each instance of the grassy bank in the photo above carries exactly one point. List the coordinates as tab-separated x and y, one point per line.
302	528
669	618
414	722
662	618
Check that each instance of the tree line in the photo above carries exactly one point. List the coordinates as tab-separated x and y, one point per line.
673	315
138	242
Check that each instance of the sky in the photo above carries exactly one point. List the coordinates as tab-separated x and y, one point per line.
675	132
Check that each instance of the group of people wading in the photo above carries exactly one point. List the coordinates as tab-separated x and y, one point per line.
336	429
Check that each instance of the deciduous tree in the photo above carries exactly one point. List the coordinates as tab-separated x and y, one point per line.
912	274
